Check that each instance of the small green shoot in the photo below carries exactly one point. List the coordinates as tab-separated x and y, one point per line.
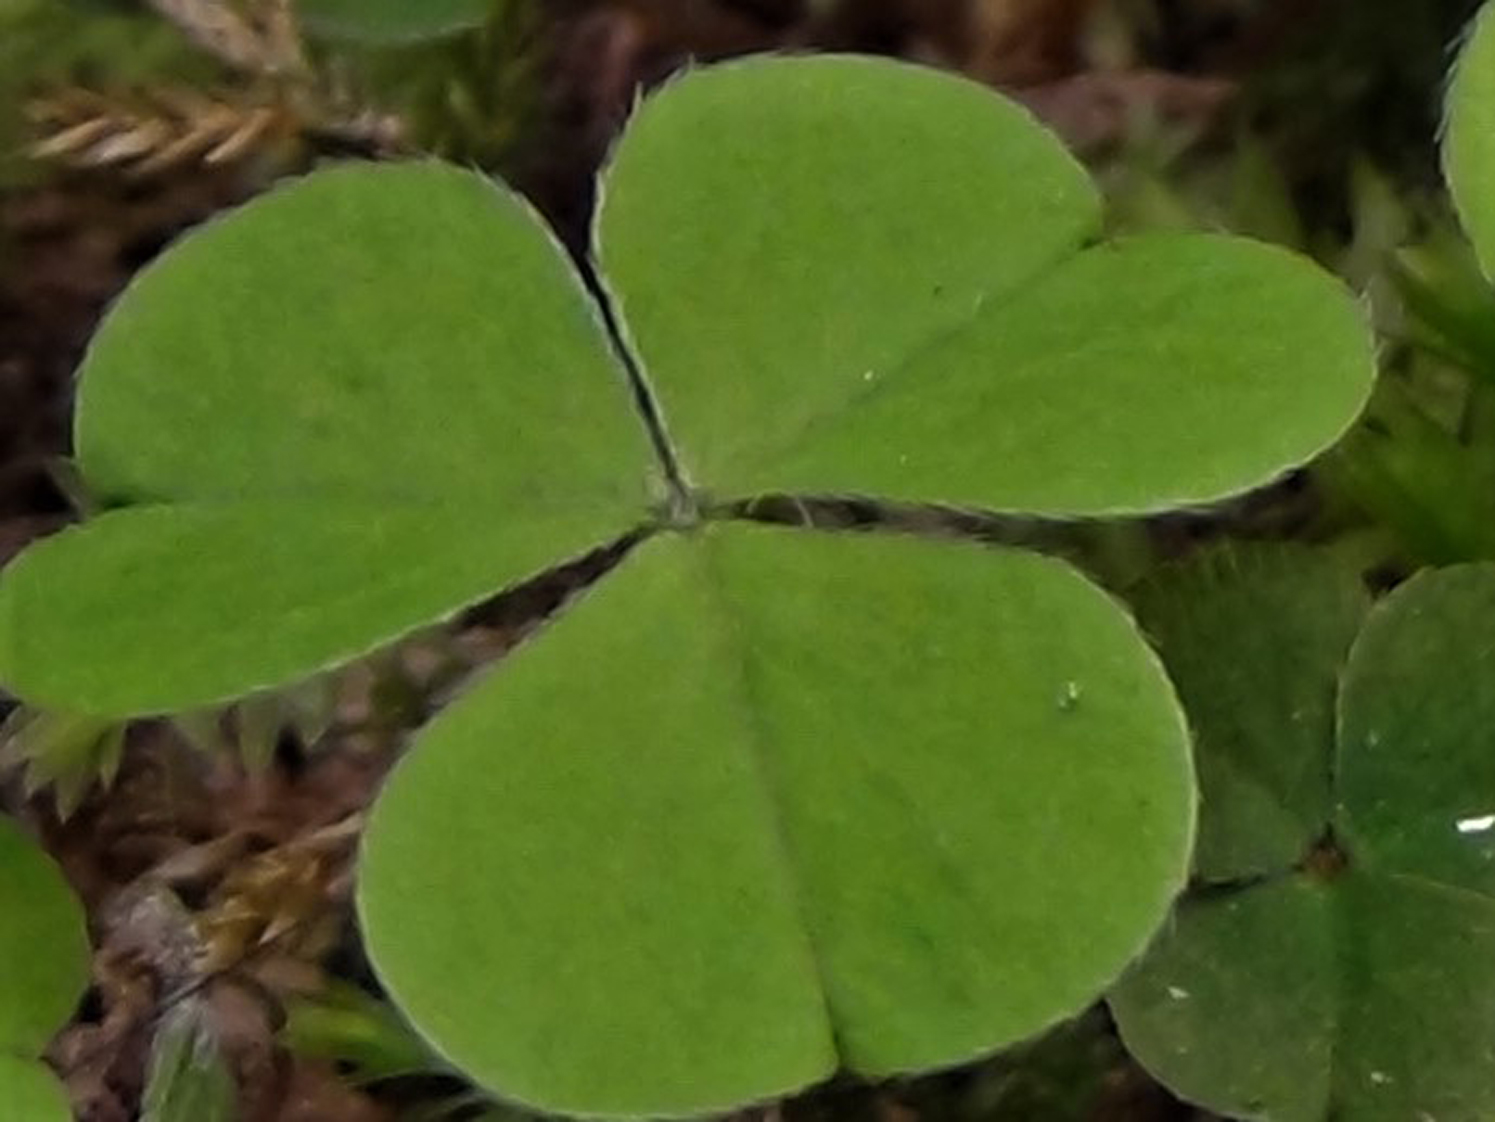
393	21
44	942
188	1079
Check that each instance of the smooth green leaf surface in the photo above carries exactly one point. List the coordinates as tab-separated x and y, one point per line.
369	398
1235	1004
158	609
1401	1029
30	1092
1143	374
1254	637
775	230
400	332
915	319
1417	741
43	941
1469	136
386	21
621	937
1370	998
856	796
1418	1000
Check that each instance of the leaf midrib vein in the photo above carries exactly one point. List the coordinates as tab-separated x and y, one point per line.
746	693
795	440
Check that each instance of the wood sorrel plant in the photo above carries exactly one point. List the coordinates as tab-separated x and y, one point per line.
1338	960
767	802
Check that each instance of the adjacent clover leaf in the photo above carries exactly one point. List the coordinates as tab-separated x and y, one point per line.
44	943
32	1091
392	21
766	803
1469	139
1254	640
1353	984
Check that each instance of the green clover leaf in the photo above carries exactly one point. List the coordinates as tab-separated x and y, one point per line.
1469	137
1351	983
44	941
323	441
820	798
1254	640
892	289
766	802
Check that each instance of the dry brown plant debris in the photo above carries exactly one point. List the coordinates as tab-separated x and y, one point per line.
276	108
